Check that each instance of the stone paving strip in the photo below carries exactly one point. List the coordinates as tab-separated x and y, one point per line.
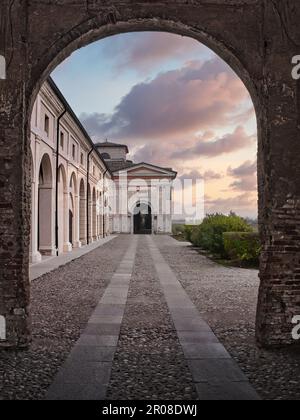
215	374
149	363
86	373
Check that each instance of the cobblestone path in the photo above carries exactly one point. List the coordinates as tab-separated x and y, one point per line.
146	340
149	362
61	304
132	320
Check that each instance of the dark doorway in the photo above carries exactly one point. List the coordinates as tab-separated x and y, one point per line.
142	219
71	227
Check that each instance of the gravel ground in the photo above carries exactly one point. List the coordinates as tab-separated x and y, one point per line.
227	298
62	302
149	363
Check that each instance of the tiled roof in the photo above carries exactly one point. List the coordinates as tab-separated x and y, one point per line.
119	165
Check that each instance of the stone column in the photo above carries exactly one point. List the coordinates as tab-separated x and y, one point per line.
66	205
77	242
15	184
35	255
94	228
279	191
90	221
82	221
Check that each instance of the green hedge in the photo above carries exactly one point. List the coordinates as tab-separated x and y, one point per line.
209	235
242	246
188	231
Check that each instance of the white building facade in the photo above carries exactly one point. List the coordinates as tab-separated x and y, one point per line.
141	196
82	192
69	179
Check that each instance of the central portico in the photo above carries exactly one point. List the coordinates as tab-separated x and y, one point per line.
142	193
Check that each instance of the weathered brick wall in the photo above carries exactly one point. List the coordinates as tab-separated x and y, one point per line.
258	38
279	298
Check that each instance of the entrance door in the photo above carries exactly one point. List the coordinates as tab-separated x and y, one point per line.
143	220
71	227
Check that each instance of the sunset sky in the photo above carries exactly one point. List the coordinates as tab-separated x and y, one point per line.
176	104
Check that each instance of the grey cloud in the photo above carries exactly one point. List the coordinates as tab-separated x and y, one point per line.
144	51
196	174
245	177
247	168
244	204
229	143
173	105
245	184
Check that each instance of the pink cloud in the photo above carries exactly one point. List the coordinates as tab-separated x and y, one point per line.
245	177
242	204
176	104
196	174
229	143
146	51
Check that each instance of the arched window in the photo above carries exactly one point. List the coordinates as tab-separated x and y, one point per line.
105	156
2	68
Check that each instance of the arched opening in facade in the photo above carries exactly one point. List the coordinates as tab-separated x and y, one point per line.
45	232
94	217
82	213
73	212
142	219
101	215
90	214
97	214
63	214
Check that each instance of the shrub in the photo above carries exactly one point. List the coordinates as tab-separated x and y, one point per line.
178	229
243	246
188	231
209	235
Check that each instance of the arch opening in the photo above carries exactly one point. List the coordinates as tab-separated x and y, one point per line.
142	218
74	216
94	216
45	231
82	213
89	215
63	224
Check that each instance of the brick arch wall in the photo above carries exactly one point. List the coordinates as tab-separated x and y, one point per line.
258	38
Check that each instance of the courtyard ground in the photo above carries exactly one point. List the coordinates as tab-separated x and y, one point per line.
226	297
148	361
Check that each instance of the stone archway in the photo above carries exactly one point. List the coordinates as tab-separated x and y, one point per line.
257	38
142	219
